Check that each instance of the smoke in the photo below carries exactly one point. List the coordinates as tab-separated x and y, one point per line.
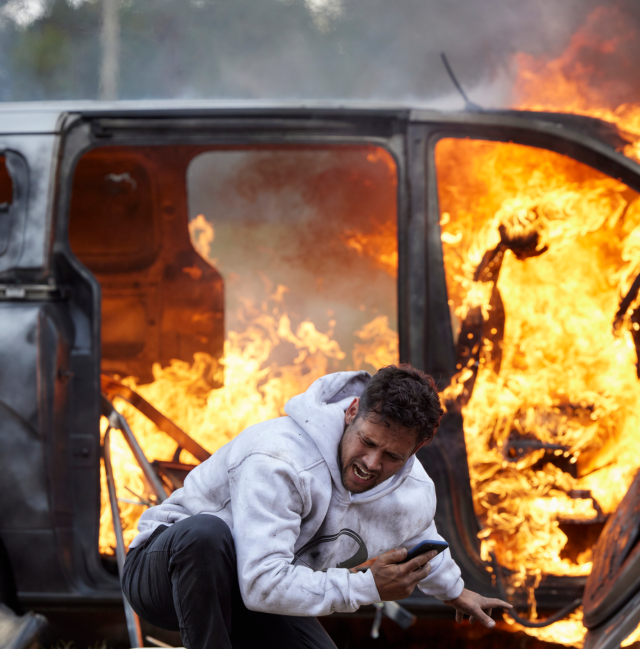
385	50
22	12
324	12
319	221
598	68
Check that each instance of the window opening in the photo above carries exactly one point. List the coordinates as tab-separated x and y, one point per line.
539	251
300	247
6	185
6	198
111	224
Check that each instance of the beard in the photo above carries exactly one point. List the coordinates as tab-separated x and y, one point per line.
343	469
345	466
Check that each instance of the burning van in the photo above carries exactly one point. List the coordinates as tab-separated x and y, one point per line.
170	275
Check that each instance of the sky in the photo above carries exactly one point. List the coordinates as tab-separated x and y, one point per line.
287	49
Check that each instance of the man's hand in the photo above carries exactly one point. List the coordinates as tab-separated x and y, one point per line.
397	580
474	605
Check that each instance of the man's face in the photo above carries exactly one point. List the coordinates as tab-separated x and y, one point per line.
370	452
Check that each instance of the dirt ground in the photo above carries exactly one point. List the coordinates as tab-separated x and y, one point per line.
105	629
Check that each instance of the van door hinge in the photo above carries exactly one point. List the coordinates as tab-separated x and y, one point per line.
31	292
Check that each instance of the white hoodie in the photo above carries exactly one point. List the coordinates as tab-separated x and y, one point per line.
296	529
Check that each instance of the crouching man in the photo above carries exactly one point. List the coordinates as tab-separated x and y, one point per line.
263	535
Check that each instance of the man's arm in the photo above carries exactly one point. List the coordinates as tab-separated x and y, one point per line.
267	497
445	583
474	605
397	581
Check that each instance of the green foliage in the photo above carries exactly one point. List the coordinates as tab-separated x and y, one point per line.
290	49
168	48
40	53
55	57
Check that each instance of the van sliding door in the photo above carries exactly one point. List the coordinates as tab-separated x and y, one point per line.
537	234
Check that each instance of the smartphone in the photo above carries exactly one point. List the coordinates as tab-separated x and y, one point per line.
423	548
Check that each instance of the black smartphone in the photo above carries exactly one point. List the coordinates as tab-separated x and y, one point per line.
423	548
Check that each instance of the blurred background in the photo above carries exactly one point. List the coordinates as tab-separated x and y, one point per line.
308	49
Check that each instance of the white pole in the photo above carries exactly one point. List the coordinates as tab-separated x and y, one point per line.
110	39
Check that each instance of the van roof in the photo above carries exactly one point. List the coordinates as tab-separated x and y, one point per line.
44	116
40	117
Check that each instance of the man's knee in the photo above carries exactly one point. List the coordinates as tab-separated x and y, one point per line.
204	533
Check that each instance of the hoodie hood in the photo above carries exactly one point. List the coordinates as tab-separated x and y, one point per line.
320	413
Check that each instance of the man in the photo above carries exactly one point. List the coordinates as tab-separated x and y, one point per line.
264	535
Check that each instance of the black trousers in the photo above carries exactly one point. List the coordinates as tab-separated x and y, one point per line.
8	591
185	578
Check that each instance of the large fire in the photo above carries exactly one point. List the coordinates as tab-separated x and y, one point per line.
551	427
254	390
551	424
588	78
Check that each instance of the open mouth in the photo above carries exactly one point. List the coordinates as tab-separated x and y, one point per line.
361	473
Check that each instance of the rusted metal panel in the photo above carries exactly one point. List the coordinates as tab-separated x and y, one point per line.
615	576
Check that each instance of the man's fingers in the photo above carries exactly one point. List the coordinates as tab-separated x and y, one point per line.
485	619
495	603
478	608
420	561
478	615
420	573
392	557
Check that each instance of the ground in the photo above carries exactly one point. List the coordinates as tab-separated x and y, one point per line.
105	629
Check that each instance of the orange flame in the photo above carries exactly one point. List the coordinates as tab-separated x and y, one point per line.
587	79
572	83
632	638
254	389
566	379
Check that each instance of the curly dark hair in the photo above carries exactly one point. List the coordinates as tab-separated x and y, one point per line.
402	394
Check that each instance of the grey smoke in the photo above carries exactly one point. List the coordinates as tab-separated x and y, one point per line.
309	49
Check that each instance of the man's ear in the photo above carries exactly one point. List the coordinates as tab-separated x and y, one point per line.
352	411
424	442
